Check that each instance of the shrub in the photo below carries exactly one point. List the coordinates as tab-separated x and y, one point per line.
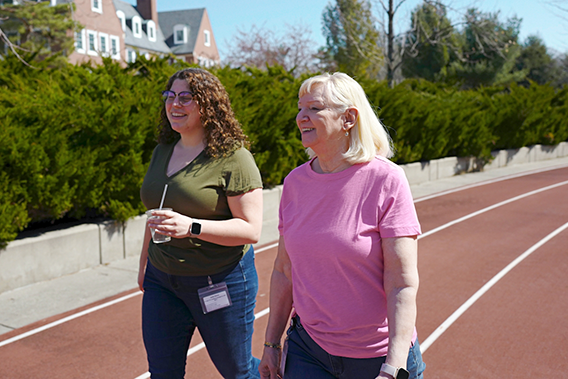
77	140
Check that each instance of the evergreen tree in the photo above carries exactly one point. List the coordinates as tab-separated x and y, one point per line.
431	41
352	39
535	59
36	30
489	50
560	65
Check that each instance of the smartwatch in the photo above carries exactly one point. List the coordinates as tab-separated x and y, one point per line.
195	229
395	372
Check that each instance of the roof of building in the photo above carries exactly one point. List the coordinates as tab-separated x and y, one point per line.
189	17
143	42
164	43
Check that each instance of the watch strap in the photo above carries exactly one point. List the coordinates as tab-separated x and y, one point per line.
395	372
388	369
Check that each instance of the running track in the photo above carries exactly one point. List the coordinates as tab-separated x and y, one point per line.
493	264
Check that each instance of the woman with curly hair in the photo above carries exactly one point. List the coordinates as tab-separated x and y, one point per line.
204	277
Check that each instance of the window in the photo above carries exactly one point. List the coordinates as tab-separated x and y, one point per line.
207	36
205	62
80	41
97	6
104	46
122	18
137	27
180	34
130	56
151	30
92	42
114	47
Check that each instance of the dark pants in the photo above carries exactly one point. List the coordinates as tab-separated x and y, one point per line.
171	310
307	360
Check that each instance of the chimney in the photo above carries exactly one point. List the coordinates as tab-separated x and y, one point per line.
148	10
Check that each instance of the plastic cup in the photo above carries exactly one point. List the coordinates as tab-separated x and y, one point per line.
156	236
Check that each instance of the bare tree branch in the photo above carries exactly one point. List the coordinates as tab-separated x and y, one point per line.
41	29
559	5
259	47
350	34
13	47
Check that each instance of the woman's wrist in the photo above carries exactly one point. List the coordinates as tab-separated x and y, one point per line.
273	345
194	227
188	234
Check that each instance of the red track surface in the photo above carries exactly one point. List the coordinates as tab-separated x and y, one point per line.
515	329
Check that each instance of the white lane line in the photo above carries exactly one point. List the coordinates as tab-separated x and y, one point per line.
442	227
90	310
200	346
428	341
488	181
68	318
266	248
146	374
461	310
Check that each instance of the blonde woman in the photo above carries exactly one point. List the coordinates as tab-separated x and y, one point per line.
347	259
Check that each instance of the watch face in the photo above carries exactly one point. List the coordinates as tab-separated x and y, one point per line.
195	228
402	374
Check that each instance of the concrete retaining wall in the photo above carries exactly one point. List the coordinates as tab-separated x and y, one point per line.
63	252
67	251
420	172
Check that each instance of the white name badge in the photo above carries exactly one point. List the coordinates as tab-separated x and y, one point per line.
214	297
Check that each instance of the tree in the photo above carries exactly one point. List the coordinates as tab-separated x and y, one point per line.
484	48
260	47
559	5
560	65
489	50
32	30
394	51
431	41
352	39
536	60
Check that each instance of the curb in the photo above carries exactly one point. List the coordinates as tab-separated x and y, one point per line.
67	251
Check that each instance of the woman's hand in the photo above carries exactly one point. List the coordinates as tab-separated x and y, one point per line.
170	223
143	259
269	366
141	274
243	228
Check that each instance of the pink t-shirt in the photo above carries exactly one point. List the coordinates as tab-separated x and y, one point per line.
332	226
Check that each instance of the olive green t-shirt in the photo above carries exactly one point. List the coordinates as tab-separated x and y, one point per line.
198	190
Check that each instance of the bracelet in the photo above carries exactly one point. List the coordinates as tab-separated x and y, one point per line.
273	345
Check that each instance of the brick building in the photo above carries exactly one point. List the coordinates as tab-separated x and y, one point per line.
124	32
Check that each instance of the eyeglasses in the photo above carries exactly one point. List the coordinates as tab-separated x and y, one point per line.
184	97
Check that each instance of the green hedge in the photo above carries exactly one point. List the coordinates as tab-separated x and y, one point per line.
76	141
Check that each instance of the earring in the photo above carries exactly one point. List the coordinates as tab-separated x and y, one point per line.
346	133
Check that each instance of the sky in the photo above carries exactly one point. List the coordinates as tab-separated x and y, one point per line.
228	16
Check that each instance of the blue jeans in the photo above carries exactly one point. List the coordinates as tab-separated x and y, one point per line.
171	310
307	360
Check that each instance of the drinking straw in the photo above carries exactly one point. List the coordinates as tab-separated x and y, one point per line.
163	196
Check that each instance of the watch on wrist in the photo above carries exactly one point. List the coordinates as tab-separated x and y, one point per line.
395	372
195	229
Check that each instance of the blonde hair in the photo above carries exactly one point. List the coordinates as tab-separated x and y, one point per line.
368	137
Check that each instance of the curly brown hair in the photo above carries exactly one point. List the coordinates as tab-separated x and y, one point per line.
223	133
